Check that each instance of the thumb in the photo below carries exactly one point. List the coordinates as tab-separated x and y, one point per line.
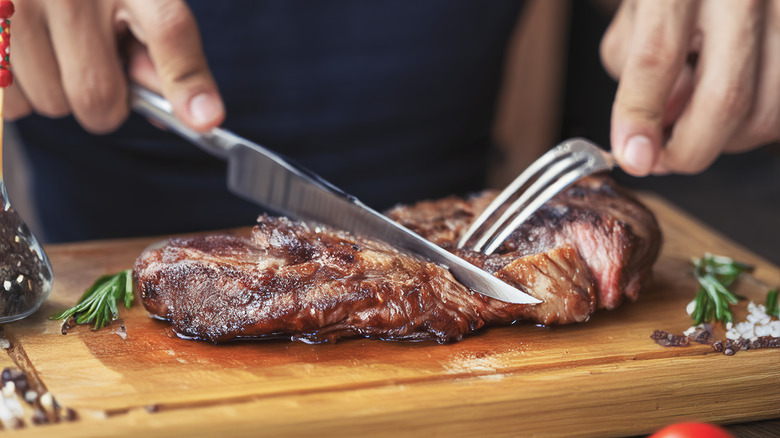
641	119
172	39
140	67
654	62
636	132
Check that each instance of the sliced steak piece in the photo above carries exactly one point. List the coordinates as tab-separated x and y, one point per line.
615	234
314	284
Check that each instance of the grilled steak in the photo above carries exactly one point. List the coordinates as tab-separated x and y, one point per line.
587	249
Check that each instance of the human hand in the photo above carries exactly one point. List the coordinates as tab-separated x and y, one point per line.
697	78
66	58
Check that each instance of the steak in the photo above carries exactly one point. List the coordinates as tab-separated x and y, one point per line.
588	248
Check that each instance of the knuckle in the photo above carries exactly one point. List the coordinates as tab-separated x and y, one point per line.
99	104
94	97
658	53
694	168
640	111
764	127
732	98
15	115
185	71
609	51
177	29
687	163
51	107
173	19
17	110
686	157
103	125
764	133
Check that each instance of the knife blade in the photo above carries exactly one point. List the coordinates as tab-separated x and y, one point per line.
276	183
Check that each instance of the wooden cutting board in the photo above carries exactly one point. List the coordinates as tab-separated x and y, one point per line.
605	377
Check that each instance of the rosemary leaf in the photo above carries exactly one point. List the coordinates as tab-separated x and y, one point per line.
98	304
715	274
128	290
772	307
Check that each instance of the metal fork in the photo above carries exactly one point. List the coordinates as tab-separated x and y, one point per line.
544	178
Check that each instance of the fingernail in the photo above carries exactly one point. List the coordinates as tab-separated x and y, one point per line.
638	155
205	109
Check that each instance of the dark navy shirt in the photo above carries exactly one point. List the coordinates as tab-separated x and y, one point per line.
391	101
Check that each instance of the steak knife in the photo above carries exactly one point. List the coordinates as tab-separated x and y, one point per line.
274	182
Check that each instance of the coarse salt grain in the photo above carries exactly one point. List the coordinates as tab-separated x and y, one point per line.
758	324
47	401
691	307
30	396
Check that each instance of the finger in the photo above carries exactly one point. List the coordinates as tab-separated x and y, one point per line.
657	54
725	89
141	71
140	67
614	48
661	169
171	35
15	105
762	125
89	64
34	64
679	96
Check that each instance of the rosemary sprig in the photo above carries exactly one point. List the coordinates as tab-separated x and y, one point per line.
715	274
772	304
99	302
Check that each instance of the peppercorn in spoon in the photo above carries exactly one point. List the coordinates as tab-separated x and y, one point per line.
25	271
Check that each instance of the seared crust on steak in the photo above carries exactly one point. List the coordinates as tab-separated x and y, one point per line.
584	250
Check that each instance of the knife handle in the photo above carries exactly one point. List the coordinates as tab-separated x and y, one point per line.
216	141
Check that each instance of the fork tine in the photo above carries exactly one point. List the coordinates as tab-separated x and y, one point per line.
557	169
543	161
563	167
523	212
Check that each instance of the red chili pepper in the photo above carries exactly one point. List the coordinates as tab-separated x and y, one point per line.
6	9
6	78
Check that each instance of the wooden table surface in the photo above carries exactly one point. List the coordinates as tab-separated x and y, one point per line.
605	377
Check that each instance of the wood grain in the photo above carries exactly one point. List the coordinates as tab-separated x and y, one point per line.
601	378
